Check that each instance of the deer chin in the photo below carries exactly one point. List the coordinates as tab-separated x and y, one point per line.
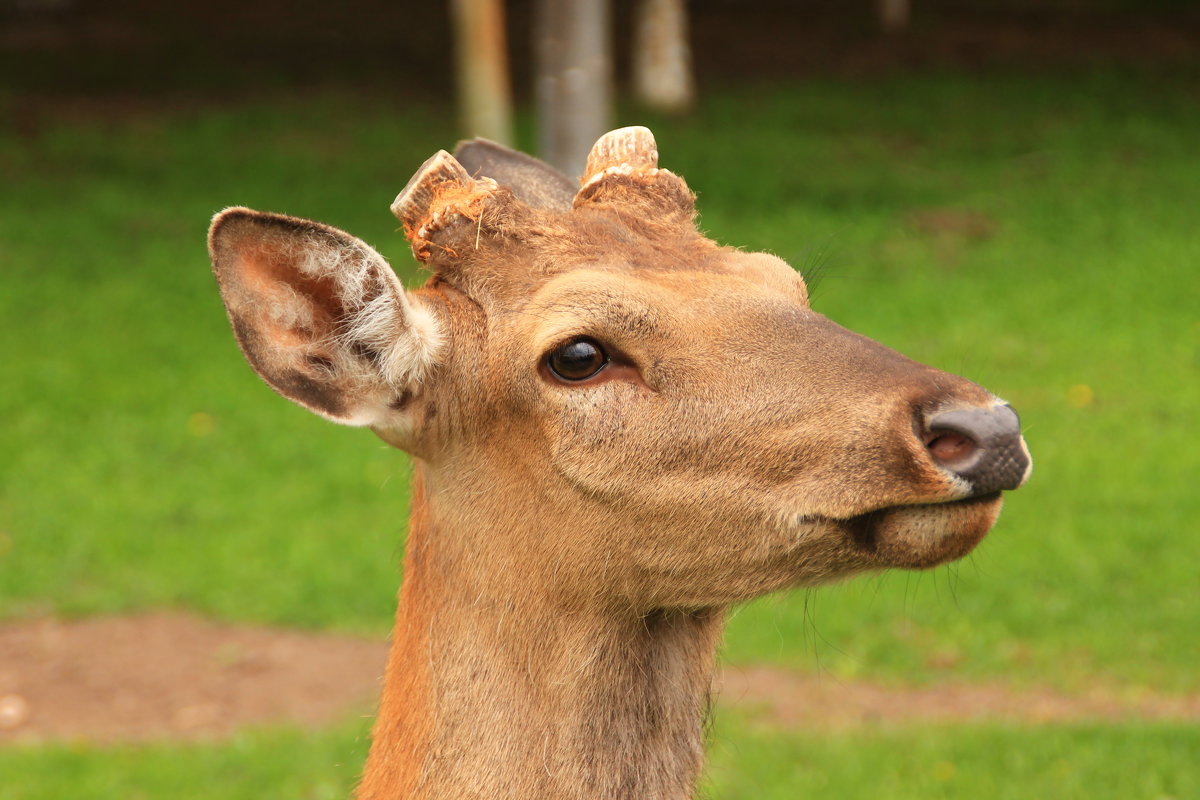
922	536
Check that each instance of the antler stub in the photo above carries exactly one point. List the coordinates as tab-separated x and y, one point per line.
441	191
625	151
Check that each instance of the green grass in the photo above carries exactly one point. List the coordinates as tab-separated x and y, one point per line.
145	466
748	762
1131	762
253	765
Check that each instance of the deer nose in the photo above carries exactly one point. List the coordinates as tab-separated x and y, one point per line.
983	446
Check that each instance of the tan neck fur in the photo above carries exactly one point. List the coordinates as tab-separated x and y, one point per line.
491	697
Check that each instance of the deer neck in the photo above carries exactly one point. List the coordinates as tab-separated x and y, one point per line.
517	696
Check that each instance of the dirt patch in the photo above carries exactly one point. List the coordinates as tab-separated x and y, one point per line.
177	676
792	699
172	675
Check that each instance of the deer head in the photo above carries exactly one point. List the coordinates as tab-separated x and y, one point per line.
610	410
677	405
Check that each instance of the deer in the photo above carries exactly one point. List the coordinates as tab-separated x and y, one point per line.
619	429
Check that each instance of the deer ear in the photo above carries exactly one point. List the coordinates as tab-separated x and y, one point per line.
321	316
532	181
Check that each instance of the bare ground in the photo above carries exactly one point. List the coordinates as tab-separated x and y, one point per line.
167	675
173	675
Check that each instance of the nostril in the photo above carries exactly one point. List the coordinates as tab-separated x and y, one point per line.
982	446
949	448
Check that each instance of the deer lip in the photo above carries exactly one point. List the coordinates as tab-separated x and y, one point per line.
922	535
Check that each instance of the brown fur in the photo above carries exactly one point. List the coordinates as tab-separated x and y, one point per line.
574	547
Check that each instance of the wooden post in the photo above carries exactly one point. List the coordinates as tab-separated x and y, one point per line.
574	93
485	95
662	59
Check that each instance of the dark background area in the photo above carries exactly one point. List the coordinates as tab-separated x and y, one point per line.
54	49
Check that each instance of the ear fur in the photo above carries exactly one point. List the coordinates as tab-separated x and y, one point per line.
321	317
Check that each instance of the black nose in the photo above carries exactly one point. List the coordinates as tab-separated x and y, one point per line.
983	446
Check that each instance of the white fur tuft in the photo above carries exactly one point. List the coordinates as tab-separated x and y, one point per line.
406	337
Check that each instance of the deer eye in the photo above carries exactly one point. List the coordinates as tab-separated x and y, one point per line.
577	360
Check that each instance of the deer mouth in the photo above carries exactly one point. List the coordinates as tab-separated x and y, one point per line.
924	535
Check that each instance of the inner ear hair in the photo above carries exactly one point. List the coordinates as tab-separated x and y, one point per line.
320	315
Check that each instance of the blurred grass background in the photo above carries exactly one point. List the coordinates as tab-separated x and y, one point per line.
1038	233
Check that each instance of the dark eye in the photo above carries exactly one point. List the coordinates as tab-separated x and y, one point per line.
577	360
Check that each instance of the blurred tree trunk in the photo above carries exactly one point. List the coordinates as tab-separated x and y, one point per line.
574	92
893	14
662	60
485	95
